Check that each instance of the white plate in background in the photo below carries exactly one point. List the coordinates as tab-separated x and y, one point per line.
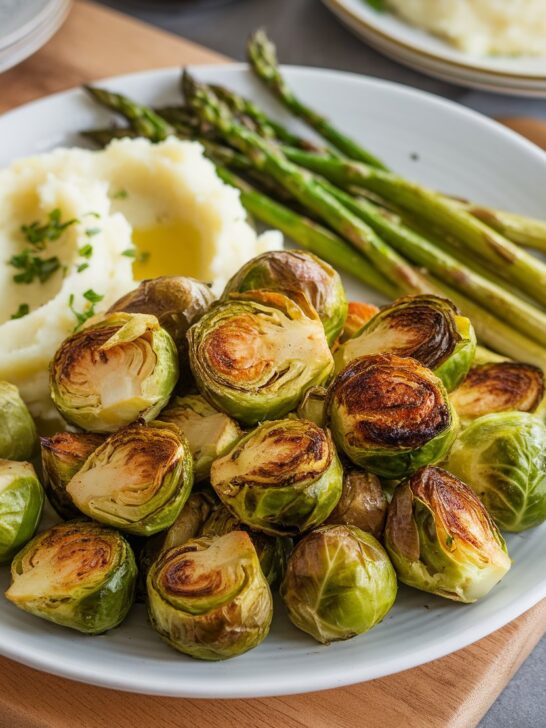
423	137
389	34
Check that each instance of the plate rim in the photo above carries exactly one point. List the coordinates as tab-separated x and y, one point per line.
366	27
40	658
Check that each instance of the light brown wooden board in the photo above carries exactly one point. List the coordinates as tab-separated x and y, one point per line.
450	693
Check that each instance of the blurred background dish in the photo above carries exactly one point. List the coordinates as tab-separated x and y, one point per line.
418	49
27	26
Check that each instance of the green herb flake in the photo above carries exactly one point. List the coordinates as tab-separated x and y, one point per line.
82	267
449	541
32	267
23	310
82	316
86	251
129	253
376	4
140	257
39	235
144	257
120	195
92	231
92	214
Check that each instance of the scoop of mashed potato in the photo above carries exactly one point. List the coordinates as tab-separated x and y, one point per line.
133	210
481	27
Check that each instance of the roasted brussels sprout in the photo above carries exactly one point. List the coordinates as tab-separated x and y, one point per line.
63	455
21	502
177	302
339	583
17	431
114	371
502	457
255	354
138	480
282	478
189	524
358	315
390	415
297	270
427	328
272	550
362	503
442	540
77	574
312	406
208	598
209	433
498	387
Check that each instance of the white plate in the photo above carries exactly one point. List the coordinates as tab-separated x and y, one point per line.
26	26
460	152
423	51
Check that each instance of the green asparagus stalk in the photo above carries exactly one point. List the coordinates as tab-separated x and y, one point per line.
263	59
303	186
102	137
143	120
520	229
267	127
523	316
309	235
512	263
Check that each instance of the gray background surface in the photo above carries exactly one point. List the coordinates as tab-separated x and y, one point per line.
307	33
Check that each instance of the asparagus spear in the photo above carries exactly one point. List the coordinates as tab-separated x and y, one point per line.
267	127
512	263
103	137
526	318
143	120
303	186
521	230
309	235
263	59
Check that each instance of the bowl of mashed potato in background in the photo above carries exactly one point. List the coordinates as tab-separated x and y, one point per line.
497	45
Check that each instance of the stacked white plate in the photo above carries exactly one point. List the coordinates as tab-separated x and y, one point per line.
26	25
523	76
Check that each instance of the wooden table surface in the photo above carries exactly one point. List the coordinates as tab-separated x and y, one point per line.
453	692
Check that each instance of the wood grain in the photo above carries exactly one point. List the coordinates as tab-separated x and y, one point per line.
533	129
450	693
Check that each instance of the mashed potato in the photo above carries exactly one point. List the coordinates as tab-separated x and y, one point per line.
160	207
502	27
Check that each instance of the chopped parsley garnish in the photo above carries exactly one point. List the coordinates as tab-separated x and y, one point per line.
32	266
86	251
376	4
140	257
23	310
39	235
82	267
449	541
92	231
120	195
93	298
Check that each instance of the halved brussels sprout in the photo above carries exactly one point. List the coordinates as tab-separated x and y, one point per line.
362	503
358	315
272	550
21	502
313	406
282	478
114	371
209	598
427	328
339	583
18	437
63	455
189	524
77	574
209	433
502	457
255	354
297	270
390	415
499	387
138	480
176	301
442	540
